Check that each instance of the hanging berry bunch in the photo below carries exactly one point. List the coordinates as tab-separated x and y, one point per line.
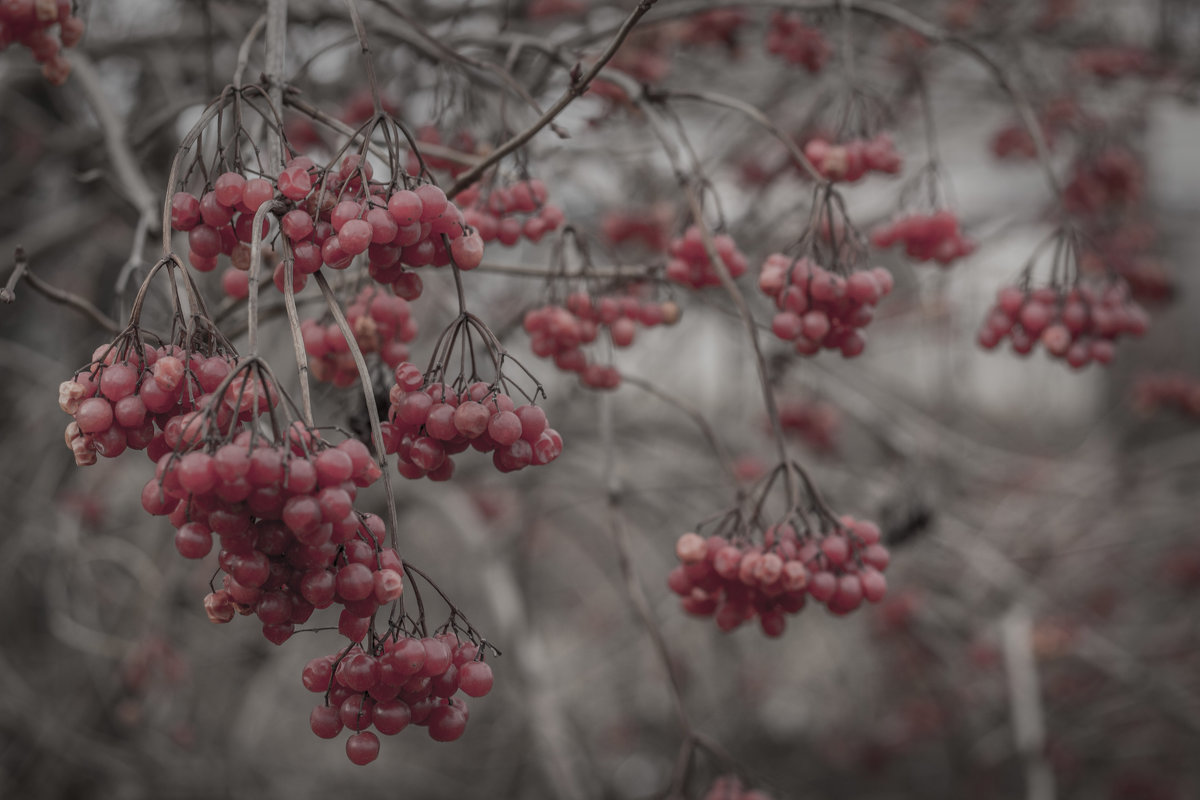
858	144
436	414
381	322
689	263
790	38
141	391
748	568
931	233
509	213
594	311
324	216
823	301
400	678
31	23
1075	319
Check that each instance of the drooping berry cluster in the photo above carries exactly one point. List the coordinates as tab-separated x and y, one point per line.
1116	61
327	217
815	422
797	43
734	580
31	23
719	26
290	540
428	423
402	681
819	308
689	263
649	227
508	213
926	237
729	787
560	332
849	161
1175	391
1078	324
462	141
381	322
1106	182
140	398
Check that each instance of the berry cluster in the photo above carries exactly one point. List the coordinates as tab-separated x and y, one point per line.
403	680
327	216
850	160
1110	63
793	41
127	392
719	26
689	263
29	23
430	422
508	213
1107	182
814	422
1171	390
290	540
1079	324
560	331
381	323
926	237
819	308
735	581
649	227
729	787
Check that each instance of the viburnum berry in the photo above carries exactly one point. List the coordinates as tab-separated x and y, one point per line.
427	425
689	263
819	308
926	237
734	580
1078	324
851	160
797	43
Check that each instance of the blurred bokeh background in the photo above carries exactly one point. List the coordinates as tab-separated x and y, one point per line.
1040	636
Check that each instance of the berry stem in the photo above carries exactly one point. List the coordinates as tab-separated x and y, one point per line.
364	376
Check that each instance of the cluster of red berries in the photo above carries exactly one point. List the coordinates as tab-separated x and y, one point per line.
141	399
689	263
1110	63
793	41
735	581
29	23
560	331
813	421
509	212
328	217
1079	324
719	26
381	323
429	423
1014	142
819	308
1171	390
1109	181
649	226
462	141
403	681
850	160
926	237
290	540
729	787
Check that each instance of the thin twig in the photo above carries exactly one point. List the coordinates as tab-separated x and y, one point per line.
574	91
